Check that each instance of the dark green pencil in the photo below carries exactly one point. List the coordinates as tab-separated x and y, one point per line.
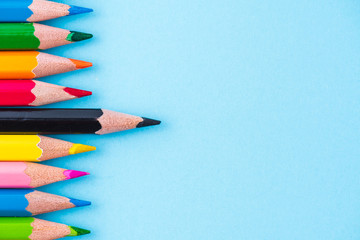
34	36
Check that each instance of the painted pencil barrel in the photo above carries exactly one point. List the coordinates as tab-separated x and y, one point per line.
62	121
33	36
36	10
36	229
28	202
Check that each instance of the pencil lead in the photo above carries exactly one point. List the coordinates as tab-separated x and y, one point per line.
81	64
148	122
75	231
70	174
75	36
77	10
81	148
79	203
77	92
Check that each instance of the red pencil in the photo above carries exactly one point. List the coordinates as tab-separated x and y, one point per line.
35	93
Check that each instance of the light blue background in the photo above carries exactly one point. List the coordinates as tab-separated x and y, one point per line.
260	107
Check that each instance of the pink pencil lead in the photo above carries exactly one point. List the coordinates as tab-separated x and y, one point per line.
70	174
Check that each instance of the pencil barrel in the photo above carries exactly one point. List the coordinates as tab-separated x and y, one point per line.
49	121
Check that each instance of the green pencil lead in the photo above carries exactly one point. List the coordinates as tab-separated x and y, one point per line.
78	231
78	36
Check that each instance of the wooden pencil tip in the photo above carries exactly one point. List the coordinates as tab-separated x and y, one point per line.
148	122
80	148
70	174
75	231
77	92
81	64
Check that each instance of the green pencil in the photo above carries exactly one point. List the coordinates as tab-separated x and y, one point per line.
36	229
34	36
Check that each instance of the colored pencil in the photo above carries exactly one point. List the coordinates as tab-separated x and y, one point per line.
33	64
29	228
36	10
35	93
28	202
32	175
35	148
34	36
64	121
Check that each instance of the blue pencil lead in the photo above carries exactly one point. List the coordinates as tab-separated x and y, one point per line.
77	10
79	203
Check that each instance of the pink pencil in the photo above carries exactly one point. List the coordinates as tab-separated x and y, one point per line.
32	175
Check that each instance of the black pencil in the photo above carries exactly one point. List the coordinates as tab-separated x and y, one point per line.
64	121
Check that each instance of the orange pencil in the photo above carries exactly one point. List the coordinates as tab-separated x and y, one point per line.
33	64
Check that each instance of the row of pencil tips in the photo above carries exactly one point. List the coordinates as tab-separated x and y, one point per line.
18	35
18	205
19	65
19	202
18	39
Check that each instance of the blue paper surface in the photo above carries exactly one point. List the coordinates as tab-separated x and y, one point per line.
260	108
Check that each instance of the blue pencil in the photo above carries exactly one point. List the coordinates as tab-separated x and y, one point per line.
36	10
27	203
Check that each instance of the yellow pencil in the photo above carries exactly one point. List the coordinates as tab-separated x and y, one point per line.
35	148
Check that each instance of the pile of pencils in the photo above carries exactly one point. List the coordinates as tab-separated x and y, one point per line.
21	148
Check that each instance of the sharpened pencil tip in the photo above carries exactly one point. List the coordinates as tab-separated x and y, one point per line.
75	36
81	64
80	148
148	122
70	174
75	231
78	10
77	92
79	203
